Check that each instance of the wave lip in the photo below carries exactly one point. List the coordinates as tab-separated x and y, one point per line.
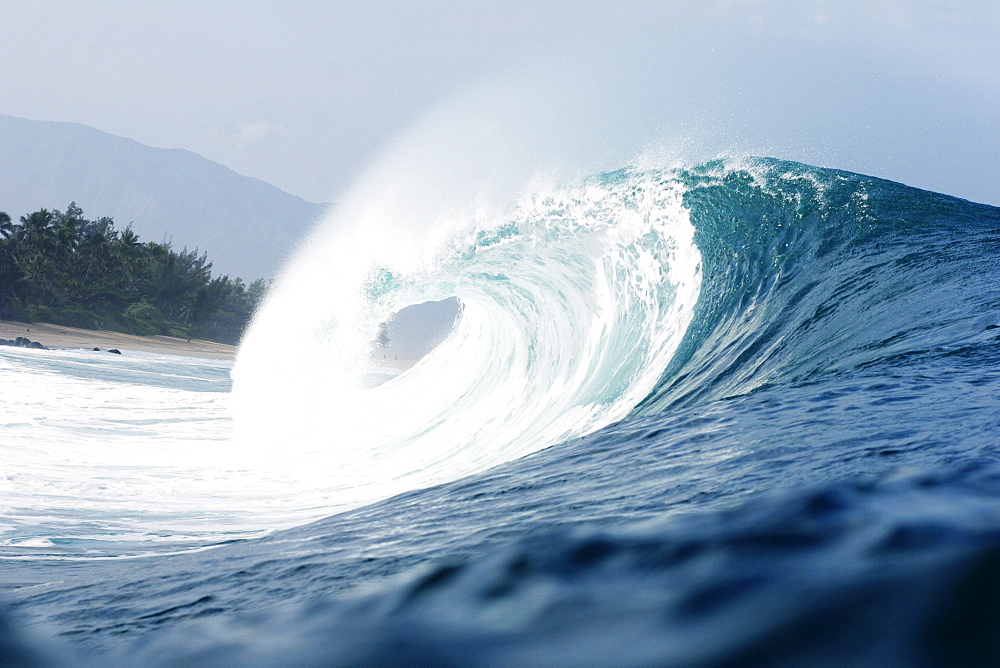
572	304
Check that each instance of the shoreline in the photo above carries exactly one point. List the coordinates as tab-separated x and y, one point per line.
74	338
60	337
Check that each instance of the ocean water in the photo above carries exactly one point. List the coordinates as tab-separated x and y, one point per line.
742	412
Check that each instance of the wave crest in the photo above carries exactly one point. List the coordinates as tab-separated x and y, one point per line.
572	303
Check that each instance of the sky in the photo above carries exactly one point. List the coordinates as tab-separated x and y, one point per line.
306	95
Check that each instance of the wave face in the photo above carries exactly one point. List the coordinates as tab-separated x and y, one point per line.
743	412
573	301
814	272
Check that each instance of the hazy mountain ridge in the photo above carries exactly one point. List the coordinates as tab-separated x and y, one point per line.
247	227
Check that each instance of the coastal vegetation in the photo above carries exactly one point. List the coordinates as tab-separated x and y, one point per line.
59	267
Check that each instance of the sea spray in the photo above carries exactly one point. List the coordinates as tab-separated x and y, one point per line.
573	301
574	295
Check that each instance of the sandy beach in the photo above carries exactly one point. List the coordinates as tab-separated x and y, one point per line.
58	336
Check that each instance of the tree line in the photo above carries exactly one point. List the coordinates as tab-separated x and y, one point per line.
59	267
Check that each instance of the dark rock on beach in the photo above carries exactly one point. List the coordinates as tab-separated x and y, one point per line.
22	342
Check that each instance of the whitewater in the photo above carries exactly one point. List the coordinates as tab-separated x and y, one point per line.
741	410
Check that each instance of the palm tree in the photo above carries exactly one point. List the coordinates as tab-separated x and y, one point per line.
382	339
11	276
37	229
6	227
66	235
129	252
128	237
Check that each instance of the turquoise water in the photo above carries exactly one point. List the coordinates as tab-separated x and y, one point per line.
738	412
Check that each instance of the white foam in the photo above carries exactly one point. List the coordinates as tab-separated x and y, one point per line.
569	316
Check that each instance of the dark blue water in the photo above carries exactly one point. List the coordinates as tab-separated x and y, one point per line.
814	482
